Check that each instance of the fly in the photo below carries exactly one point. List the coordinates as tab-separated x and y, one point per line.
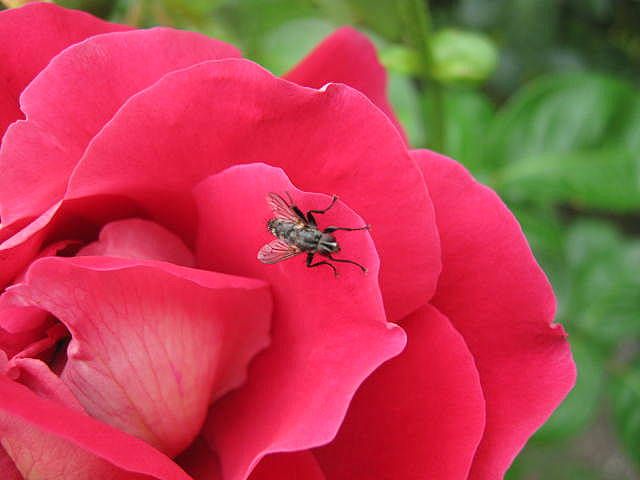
297	232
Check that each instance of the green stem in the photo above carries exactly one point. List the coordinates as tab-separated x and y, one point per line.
417	18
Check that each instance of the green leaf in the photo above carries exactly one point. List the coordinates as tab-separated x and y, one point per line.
401	59
539	462
566	113
581	405
101	8
466	113
462	56
405	99
284	46
546	235
606	179
381	16
250	20
605	285
626	405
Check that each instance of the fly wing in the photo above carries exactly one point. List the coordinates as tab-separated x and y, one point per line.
281	208
277	251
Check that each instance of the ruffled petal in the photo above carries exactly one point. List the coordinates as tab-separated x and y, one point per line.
76	219
328	333
47	440
195	122
498	298
152	343
290	466
347	56
419	416
141	239
29	37
73	98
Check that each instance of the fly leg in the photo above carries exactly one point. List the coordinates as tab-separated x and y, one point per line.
317	264
294	207
334	199
341	260
310	217
333	229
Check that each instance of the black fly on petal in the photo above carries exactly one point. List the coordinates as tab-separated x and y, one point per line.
297	232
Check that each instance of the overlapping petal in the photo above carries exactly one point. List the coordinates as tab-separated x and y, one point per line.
39	378
200	461
153	343
328	333
419	416
292	466
347	56
498	298
73	98
47	440
8	468
232	111
23	244
140	239
29	37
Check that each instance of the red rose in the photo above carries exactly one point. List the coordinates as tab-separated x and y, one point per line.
141	337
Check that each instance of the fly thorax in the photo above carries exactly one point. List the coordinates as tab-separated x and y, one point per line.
328	244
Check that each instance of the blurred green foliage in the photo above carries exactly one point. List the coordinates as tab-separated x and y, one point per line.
540	100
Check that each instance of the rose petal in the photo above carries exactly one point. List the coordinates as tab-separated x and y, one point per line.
290	466
48	440
346	56
72	99
11	343
328	333
498	298
153	343
8	470
29	37
142	239
200	461
195	122
20	248
37	376
77	218
420	415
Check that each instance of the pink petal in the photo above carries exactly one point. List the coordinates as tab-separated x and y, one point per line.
153	343
22	246
346	56
72	99
37	376
195	122
328	333
419	416
48	440
15	320
141	239
498	298
76	219
29	37
290	466
200	461
8	470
